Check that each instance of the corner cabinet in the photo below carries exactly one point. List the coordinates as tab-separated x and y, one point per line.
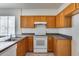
51	21
26	22
63	21
62	47
77	5
60	22
70	9
22	47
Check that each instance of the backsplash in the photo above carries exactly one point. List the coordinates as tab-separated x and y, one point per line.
31	30
65	31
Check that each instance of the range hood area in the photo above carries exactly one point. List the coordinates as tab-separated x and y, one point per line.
40	23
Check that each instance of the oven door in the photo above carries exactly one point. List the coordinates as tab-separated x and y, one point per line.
40	42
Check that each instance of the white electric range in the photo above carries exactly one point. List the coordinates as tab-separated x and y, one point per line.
40	38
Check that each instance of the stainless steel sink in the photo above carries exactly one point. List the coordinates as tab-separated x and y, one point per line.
11	40
2	36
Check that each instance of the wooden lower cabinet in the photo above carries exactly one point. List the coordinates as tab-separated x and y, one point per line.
62	47
22	47
50	44
30	44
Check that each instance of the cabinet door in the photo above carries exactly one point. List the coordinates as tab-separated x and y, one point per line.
27	22
23	47
43	18
23	22
19	48
30	44
30	21
63	21
63	47
70	9
50	44
55	46
60	21
50	21
37	19
26	44
77	5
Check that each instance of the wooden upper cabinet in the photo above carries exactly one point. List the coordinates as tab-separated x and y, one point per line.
39	18
27	22
36	18
77	5
63	21
23	21
70	9
60	22
51	21
30	22
43	18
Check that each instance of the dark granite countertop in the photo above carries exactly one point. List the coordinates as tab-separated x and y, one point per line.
58	34
28	35
50	34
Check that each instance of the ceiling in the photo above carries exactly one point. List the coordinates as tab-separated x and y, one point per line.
31	5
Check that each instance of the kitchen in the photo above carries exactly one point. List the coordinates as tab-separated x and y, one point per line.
38	29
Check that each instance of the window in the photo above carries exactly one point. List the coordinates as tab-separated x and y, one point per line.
7	25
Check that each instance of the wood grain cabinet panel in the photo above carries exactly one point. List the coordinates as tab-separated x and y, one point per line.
50	44
60	22
23	22
30	22
77	5
70	9
37	19
27	22
42	18
62	47
63	21
22	47
51	21
30	44
19	49
54	46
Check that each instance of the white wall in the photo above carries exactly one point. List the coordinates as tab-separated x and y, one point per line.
66	31
38	12
31	30
75	36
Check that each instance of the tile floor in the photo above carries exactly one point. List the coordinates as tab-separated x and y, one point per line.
39	54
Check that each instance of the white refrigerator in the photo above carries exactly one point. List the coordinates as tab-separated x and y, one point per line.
75	35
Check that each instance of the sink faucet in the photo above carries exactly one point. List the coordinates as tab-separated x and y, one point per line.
11	37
